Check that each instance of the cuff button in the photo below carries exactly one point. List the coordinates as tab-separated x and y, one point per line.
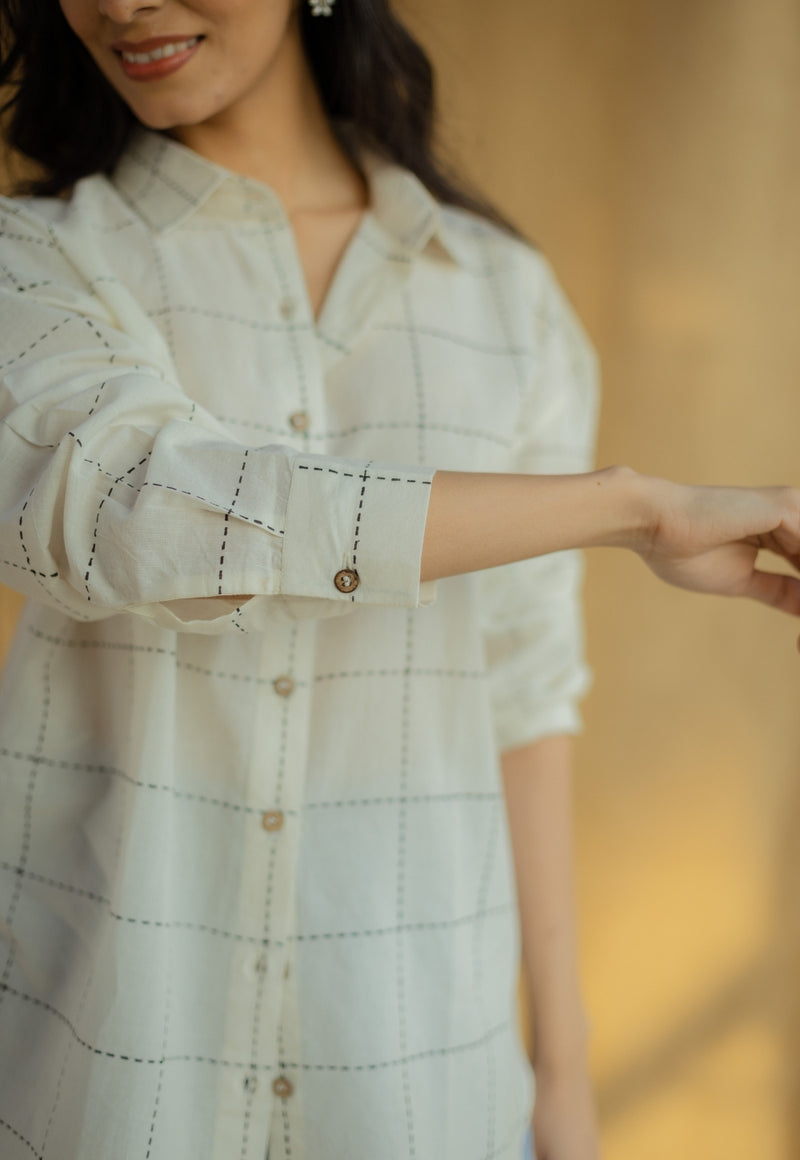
346	580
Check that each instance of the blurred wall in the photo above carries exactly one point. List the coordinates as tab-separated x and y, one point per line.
652	149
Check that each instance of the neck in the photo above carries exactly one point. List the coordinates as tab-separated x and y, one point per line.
280	135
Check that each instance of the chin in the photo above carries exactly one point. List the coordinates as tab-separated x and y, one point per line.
165	118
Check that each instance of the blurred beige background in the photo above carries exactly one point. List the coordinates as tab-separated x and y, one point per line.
652	149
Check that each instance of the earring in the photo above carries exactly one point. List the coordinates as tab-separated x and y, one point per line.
321	7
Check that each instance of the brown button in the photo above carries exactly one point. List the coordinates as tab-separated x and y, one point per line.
299	421
282	1087
287	308
283	685
346	580
272	820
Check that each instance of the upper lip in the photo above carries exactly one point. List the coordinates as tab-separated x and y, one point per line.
151	43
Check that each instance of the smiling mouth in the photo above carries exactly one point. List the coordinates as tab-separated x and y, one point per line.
161	53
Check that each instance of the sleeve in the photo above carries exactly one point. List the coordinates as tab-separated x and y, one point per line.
532	613
119	493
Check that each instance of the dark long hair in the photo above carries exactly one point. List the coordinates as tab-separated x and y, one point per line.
376	83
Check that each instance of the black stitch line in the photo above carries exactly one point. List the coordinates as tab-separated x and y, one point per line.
164	1036
168	329
97	397
352	475
345	433
370	673
364	477
407	799
27	824
22	1139
477	974
110	771
28	238
63	1070
404	1060
282	1068
400	899
226	521
33	571
47	334
44	1006
12	278
212	504
222	316
406	927
153	650
131	920
382	1065
93	550
96	332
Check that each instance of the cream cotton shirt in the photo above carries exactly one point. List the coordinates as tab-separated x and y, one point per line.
256	886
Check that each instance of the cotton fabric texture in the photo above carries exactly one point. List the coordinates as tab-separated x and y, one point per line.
256	884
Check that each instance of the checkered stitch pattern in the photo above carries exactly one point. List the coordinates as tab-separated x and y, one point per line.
255	882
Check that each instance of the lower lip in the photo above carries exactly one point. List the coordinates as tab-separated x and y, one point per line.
155	70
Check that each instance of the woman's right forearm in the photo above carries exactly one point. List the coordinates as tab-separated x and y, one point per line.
480	520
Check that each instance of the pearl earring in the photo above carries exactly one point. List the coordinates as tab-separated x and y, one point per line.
321	7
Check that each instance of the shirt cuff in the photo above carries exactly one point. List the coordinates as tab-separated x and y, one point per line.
354	532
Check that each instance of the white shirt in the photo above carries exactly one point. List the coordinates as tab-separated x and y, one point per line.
255	883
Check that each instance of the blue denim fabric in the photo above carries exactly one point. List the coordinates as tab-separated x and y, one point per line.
527	1151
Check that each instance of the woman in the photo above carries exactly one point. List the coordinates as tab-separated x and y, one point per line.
276	393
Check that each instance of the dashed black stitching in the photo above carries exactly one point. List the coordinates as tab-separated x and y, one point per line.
44	1006
352	475
27	820
416	672
212	504
33	571
47	334
358	428
110	771
97	397
133	920
226	522
22	1139
405	927
404	1060
364	478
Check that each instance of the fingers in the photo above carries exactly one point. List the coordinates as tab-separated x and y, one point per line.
776	590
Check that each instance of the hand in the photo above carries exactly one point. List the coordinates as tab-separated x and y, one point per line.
564	1119
706	539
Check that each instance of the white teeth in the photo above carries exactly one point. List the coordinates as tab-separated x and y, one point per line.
159	53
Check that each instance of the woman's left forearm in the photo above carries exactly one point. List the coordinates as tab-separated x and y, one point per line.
537	781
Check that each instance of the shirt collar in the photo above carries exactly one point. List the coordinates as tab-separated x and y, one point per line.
166	183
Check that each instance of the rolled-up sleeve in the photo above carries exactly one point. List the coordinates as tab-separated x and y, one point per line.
119	493
532	613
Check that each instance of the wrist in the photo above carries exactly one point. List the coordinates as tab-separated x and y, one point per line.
569	1057
633	505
